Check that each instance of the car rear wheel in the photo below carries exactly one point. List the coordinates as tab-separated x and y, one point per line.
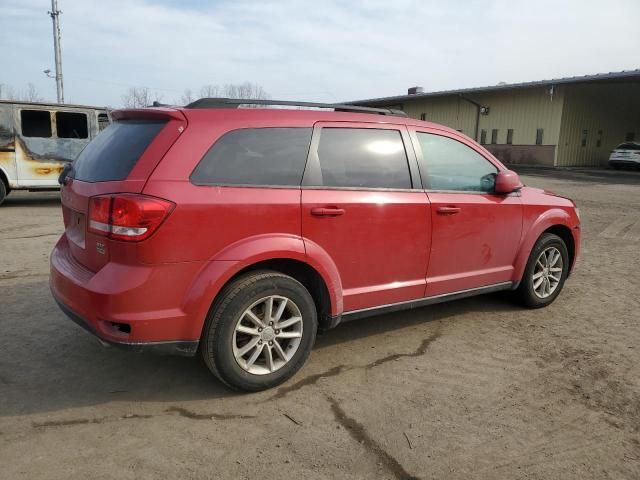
546	272
3	191
260	331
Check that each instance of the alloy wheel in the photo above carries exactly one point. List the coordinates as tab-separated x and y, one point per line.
267	335
547	272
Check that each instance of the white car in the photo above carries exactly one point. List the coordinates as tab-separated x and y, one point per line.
625	154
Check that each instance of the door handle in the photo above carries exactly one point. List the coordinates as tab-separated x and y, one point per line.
327	211
448	210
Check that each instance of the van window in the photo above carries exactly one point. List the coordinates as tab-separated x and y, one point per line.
103	121
114	152
364	158
451	165
255	156
71	125
35	123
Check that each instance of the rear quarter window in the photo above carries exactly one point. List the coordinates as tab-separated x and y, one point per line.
255	156
114	152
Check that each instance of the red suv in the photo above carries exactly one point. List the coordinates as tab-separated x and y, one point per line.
241	232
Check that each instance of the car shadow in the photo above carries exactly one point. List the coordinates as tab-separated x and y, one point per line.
49	364
28	199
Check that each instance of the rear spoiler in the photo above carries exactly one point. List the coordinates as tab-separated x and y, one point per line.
148	114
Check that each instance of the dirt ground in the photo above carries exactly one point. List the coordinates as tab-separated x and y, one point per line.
478	388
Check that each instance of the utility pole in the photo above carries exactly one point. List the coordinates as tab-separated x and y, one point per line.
55	13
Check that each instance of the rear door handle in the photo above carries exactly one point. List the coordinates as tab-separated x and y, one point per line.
448	210
327	211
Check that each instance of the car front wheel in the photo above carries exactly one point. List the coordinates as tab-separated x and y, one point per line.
260	331
546	272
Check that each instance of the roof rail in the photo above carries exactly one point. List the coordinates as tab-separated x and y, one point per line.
235	103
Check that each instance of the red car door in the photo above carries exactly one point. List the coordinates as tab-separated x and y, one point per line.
362	204
475	233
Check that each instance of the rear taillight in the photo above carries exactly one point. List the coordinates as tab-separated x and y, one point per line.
128	217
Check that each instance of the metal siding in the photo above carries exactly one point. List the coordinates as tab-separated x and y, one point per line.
612	108
523	110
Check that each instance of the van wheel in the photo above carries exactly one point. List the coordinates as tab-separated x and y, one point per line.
260	331
3	191
546	272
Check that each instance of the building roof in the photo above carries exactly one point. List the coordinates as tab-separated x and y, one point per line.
598	77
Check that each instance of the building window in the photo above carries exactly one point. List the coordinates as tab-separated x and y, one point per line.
36	123
423	116
483	137
583	141
494	136
71	125
630	137
539	136
599	140
510	136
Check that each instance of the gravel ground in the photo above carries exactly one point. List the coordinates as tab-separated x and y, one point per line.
476	388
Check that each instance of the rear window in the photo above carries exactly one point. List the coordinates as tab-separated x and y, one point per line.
116	149
256	156
628	146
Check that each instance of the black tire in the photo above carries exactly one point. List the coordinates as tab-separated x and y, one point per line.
615	166
3	191
525	293
218	335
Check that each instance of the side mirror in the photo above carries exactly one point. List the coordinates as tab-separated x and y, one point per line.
507	181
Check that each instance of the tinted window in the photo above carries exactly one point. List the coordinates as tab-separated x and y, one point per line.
628	146
256	156
71	125
451	165
114	152
35	123
359	157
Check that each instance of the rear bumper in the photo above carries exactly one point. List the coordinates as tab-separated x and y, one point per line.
184	348
138	307
624	162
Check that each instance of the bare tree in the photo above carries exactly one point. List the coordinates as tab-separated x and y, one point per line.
7	92
31	94
187	97
210	91
137	97
246	90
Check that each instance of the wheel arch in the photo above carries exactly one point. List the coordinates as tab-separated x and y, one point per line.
287	254
554	221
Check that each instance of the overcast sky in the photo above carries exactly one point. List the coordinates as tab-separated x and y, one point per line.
322	50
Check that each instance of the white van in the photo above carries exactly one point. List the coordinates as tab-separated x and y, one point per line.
38	139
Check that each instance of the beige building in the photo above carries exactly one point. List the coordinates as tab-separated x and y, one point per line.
567	122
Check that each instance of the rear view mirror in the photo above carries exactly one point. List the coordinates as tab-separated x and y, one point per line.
507	181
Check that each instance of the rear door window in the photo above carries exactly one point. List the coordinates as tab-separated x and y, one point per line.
114	152
363	158
255	156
